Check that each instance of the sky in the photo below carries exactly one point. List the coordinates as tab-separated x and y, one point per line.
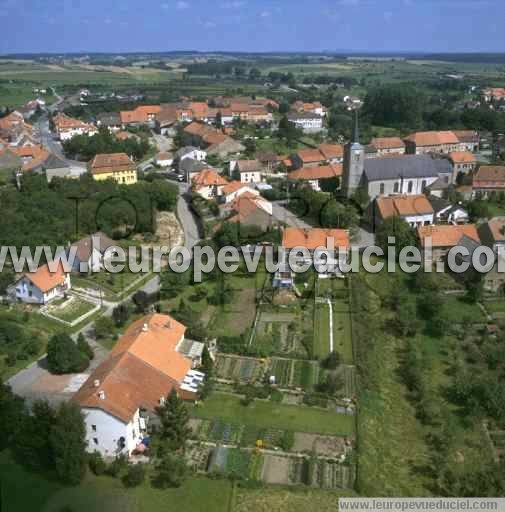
36	26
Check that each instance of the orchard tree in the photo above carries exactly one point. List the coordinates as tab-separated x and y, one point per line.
68	443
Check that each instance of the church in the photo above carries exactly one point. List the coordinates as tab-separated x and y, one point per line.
402	174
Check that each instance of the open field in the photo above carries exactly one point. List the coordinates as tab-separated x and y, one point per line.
25	492
268	414
277	499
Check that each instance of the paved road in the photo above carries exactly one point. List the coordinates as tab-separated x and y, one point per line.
282	214
186	218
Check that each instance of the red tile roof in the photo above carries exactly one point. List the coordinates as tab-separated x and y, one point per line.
489	176
141	114
314	238
331	151
208	178
447	235
432	138
387	142
316	173
46	280
461	157
143	366
404	205
111	162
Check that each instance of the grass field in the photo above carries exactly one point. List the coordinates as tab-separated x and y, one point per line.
268	414
279	499
321	347
29	492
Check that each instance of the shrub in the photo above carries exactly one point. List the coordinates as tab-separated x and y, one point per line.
116	466
63	356
134	476
97	464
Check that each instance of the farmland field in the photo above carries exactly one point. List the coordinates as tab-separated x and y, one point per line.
264	414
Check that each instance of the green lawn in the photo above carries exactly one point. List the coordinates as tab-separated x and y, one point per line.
23	491
321	344
113	286
457	309
265	414
72	311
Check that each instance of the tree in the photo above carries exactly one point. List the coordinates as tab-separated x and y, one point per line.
84	347
397	228
207	367
63	356
394	105
250	147
12	413
288	130
174	418
6	279
120	314
227	234
170	471
218	123
172	283
31	444
68	443
332	361
330	185
254	74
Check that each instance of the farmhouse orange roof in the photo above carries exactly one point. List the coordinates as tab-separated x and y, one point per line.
330	151
310	155
233	186
143	366
314	238
111	162
64	122
387	142
46	280
208	178
404	205
446	235
461	157
316	173
432	138
140	114
489	176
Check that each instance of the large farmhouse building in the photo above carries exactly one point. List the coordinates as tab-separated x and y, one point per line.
148	361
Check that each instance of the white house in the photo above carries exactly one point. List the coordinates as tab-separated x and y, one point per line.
88	253
208	184
190	152
67	127
416	210
234	189
309	123
122	393
42	286
250	170
164	159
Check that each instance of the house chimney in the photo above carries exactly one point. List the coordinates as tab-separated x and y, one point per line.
101	395
96	383
162	400
145	328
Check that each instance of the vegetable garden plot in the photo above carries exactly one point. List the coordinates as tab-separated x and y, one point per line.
325	474
294	373
237	463
239	368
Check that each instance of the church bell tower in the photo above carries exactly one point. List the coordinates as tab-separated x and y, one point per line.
354	161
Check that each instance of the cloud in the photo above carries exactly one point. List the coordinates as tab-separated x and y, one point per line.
388	15
348	2
209	24
181	4
165	6
265	14
233	4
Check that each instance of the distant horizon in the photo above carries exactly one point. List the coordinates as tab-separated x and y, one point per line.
251	26
336	53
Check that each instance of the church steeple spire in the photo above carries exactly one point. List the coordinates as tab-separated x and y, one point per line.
355	130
